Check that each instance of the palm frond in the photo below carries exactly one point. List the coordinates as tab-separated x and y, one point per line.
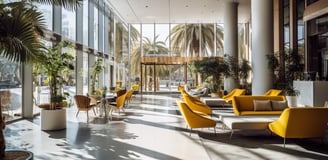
20	28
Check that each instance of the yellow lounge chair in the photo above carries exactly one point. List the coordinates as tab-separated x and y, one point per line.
309	122
234	92
196	104
194	119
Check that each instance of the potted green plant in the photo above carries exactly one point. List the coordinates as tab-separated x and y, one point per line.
291	95
239	71
287	66
96	70
213	69
57	66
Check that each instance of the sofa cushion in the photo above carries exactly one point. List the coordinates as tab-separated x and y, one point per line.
279	105
262	105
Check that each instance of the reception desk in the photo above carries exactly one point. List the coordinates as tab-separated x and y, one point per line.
312	93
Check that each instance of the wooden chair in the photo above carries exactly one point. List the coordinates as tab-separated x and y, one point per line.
5	100
83	103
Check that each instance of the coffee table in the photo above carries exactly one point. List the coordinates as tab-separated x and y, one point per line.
246	122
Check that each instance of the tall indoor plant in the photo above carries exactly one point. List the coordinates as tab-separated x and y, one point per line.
57	66
96	69
287	66
214	69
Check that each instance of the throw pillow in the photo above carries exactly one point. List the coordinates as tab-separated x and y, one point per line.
279	105
262	105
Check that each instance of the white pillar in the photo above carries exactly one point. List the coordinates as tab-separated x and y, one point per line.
262	45
230	38
79	77
27	91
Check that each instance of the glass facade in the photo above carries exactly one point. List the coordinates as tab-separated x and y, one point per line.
105	36
318	46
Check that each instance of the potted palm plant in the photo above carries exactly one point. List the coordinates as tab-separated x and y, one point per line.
57	66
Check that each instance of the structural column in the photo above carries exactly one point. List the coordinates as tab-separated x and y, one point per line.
262	45
230	38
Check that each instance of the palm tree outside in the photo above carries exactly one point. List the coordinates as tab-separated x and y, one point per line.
149	48
197	40
185	38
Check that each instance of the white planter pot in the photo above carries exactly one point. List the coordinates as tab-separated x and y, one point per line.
291	101
53	119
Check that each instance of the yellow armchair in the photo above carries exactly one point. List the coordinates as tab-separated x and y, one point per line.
308	122
234	92
272	92
135	87
196	104
194	119
128	95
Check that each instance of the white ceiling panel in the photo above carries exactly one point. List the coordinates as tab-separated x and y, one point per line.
177	11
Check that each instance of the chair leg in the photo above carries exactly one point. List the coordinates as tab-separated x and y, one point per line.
94	111
111	111
87	116
231	133
77	113
284	142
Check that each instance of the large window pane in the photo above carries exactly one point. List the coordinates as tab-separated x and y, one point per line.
85	22
163	31
47	14
85	72
68	24
95	28
219	40
10	89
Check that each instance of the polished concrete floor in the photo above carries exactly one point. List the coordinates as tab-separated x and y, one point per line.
151	128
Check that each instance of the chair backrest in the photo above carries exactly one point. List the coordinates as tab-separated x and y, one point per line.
246	103
234	92
120	92
129	94
272	92
180	88
135	87
120	101
82	101
5	97
194	120
304	122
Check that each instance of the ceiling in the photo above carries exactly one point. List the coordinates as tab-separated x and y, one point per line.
177	11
